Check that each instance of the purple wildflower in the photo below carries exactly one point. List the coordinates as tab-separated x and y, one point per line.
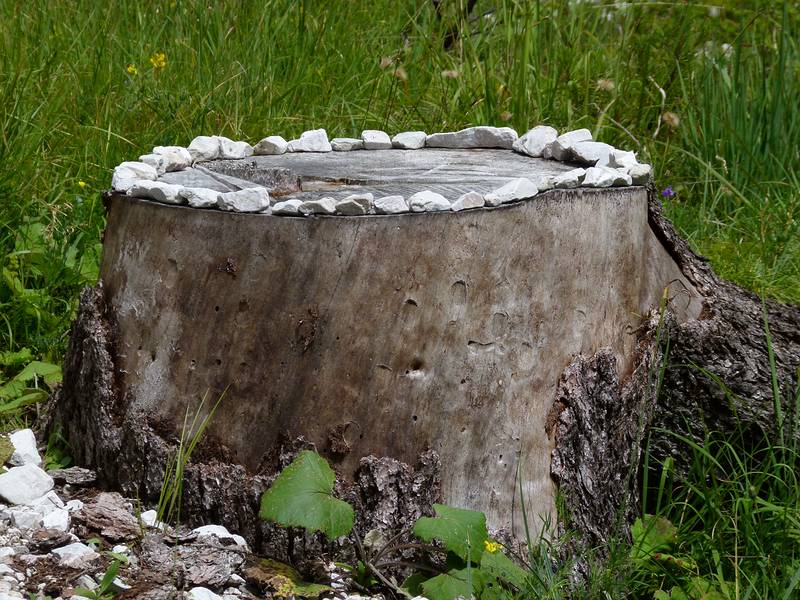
668	192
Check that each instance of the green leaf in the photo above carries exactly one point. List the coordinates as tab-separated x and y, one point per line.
301	496
651	534
413	584
37	369
31	397
15	359
463	583
498	565
463	532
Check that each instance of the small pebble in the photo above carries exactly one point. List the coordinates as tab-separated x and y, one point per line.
346	144
427	201
535	140
204	147
467	201
314	140
391	205
409	140
321	206
287	207
516	189
157	191
376	140
248	200
273	144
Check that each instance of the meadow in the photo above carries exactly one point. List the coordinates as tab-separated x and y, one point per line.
707	94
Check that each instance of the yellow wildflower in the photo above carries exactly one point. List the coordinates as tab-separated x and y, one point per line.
131	69
158	60
82	185
491	547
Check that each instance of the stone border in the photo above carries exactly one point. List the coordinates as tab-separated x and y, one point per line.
602	166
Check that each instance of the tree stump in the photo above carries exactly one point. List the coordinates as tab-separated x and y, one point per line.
516	343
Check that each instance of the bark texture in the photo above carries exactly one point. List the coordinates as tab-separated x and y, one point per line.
601	422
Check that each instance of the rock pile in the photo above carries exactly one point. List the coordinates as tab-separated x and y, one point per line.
600	166
58	535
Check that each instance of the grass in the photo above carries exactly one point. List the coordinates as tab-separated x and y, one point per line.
720	123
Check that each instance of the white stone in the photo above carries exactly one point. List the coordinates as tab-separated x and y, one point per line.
6	570
603	177
640	174
314	140
23	485
321	206
375	139
201	593
166	193
57	519
220	532
86	582
355	204
545	182
468	200
149	518
47	503
534	141
176	158
428	201
158	162
482	136
235	579
74	505
287	207
247	200
129	172
200	197
228	149
516	189
570	179
409	140
391	205
204	147
25	518
346	144
6	551
560	147
25	451
120	549
589	153
618	159
273	144
75	555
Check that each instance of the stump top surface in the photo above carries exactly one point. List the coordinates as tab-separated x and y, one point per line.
308	175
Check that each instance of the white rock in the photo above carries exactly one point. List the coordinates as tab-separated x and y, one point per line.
220	532
321	206
273	144
47	503
74	505
158	191
560	147
199	197
247	200
158	162
346	144
23	485
120	549
287	207
468	200
640	174
129	172
6	570
602	177
391	205
76	555
6	552
228	149
176	158
57	519
589	153
617	159
201	593
204	147
545	182
570	179
474	137
86	582
149	518
516	189
235	579
355	204
534	141
25	451
428	201
25	518
376	140
314	140
409	140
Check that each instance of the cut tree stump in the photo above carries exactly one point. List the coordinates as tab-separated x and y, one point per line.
494	350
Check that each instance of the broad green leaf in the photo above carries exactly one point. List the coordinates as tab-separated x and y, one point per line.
48	372
284	580
301	496
413	584
15	359
674	594
456	583
29	397
498	565
462	532
651	534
